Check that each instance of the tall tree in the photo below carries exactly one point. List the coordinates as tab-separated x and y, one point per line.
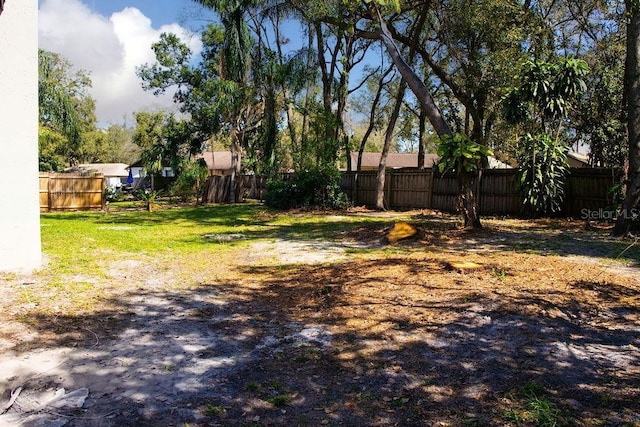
541	105
66	110
466	176
234	71
382	167
150	136
632	92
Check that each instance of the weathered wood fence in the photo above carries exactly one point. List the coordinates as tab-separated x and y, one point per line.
59	192
585	189
217	188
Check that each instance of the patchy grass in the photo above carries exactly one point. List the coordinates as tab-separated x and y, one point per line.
532	406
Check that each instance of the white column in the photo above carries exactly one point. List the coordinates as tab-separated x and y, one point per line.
20	248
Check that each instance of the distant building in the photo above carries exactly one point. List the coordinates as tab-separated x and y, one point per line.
138	172
370	161
115	173
578	160
218	162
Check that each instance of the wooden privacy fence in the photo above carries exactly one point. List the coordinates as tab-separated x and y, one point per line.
253	186
71	192
218	188
585	189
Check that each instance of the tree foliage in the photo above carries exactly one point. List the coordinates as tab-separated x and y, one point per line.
541	103
542	171
461	59
65	110
459	153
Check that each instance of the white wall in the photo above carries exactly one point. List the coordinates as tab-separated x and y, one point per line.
20	248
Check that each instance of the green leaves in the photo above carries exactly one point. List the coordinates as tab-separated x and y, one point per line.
542	171
458	152
64	104
547	86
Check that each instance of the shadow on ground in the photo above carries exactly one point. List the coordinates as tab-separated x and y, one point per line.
391	341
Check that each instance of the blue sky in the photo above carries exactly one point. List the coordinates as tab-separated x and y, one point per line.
110	38
160	12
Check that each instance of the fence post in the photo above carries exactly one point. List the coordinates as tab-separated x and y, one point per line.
103	196
430	183
49	198
389	187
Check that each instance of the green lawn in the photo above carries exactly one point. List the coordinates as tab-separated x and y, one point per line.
81	242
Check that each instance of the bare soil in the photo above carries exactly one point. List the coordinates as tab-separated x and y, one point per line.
294	332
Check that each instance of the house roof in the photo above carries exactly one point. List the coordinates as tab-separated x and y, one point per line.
107	169
409	160
394	160
579	157
217	160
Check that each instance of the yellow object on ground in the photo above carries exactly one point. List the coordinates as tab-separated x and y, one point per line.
401	230
464	265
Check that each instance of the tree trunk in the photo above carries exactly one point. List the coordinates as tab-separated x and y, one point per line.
370	127
466	197
422	139
467	200
416	85
629	211
632	91
235	164
388	136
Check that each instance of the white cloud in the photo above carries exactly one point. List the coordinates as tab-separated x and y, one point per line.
110	48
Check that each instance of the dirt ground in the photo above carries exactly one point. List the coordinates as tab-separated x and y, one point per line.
350	332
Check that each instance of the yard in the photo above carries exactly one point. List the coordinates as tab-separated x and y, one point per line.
235	315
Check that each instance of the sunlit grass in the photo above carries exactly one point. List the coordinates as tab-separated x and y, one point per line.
83	248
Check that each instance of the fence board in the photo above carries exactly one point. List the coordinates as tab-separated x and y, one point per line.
586	188
362	191
218	188
44	192
499	192
445	190
410	189
71	192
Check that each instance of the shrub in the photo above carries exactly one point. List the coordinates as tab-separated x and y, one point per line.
190	181
148	197
543	167
313	188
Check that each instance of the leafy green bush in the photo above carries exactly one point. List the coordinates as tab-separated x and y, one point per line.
542	171
190	181
459	153
313	188
148	197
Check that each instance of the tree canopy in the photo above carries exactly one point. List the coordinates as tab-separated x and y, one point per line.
462	60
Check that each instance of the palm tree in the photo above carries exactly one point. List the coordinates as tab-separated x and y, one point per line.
234	71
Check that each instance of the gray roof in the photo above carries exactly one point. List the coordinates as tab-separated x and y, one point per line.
107	169
409	160
394	160
217	160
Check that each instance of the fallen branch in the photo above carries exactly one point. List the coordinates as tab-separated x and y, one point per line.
14	395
